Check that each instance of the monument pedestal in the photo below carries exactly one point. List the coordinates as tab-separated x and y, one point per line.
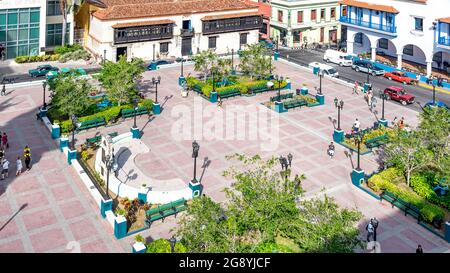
357	177
156	108
196	188
338	136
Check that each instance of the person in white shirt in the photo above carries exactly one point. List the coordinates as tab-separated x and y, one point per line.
370	231
356	125
19	166
5	166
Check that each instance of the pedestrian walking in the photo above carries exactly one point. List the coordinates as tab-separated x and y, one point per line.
419	249
401	123
374	222
356	125
297	182
370	231
219	102
19	166
27	156
2	154
369	97
331	150
5	143
5	170
355	88
4	90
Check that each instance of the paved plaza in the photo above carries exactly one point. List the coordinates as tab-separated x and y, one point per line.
58	208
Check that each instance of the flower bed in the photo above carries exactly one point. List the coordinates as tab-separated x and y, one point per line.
241	83
368	135
392	180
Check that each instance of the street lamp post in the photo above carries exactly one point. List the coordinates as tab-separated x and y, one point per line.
358	140
135	104
320	82
232	60
74	127
44	104
279	79
110	162
195	149
383	97
182	61
339	104
172	242
155	82
434	93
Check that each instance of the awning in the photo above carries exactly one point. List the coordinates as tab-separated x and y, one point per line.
445	20
361	4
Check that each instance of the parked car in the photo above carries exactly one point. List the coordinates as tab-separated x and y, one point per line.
327	70
399	94
79	71
439	104
42	70
154	65
400	77
337	57
367	67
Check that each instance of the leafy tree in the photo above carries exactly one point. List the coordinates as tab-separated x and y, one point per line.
163	246
70	93
255	61
66	6
120	79
206	61
262	215
434	132
407	152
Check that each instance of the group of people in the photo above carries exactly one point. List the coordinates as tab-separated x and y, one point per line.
4	162
439	80
400	123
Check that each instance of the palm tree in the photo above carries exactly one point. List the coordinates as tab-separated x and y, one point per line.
66	6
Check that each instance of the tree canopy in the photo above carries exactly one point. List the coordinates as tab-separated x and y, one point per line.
262	214
120	79
256	61
70	93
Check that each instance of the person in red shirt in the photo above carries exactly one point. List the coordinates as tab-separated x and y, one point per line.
5	141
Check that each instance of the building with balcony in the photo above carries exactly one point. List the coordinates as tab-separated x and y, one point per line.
297	22
406	31
32	27
265	9
152	29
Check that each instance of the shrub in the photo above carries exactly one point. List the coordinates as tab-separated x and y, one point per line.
163	246
421	187
85	155
428	211
67	48
139	239
120	211
36	58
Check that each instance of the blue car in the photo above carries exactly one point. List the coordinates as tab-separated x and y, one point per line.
154	65
439	104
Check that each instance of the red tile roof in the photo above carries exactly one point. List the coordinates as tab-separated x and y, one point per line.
127	9
361	4
231	15
144	23
445	20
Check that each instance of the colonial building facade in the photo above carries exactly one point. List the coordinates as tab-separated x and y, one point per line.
414	30
32	27
152	29
297	22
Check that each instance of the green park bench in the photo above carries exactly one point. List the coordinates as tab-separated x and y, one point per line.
229	93
295	103
282	97
126	113
376	141
165	210
91	123
258	89
95	140
197	89
408	208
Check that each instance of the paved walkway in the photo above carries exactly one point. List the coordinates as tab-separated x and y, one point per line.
46	209
304	132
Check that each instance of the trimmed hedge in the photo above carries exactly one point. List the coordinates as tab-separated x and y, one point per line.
67	48
241	86
428	211
37	58
108	114
163	246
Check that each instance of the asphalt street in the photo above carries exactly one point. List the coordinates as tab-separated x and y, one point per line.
422	95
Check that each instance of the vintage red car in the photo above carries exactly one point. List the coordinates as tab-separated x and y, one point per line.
400	77
399	94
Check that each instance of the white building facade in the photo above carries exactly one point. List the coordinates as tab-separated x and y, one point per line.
180	29
298	22
412	30
32	27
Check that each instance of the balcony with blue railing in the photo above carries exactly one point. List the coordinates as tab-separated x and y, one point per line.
367	24
444	41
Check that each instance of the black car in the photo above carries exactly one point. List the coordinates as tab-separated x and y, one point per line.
367	67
